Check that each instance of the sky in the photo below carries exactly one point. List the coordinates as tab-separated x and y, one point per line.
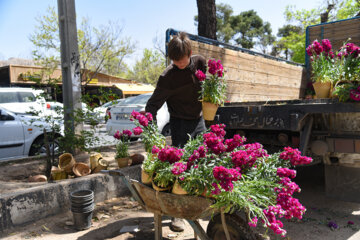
142	20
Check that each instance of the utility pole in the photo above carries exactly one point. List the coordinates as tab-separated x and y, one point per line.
70	68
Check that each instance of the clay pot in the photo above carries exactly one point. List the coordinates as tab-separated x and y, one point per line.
322	89
145	178
123	162
137	158
94	160
102	165
209	110
177	189
38	178
81	169
157	188
58	174
66	162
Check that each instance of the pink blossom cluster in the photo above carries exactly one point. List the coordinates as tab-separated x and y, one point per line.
226	177
178	168
200	75
170	154
197	154
255	150
242	159
155	150
286	172
218	130
214	143
142	118
349	49
234	142
273	223
215	67
137	130
316	48
355	94
294	155
124	133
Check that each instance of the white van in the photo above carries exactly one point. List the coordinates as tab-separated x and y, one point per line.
22	100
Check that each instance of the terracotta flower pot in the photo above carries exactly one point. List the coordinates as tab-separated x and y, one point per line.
145	177
157	188
38	178
94	159
322	89
58	174
123	162
66	162
137	158
81	169
209	110
177	189
101	165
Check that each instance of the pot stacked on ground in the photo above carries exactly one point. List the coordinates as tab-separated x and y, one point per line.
82	206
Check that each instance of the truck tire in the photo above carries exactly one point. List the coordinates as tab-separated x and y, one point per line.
38	146
237	227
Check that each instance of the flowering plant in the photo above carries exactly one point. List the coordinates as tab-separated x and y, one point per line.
147	129
213	88
122	147
322	60
236	175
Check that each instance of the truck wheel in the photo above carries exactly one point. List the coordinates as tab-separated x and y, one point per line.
166	130
237	227
38	147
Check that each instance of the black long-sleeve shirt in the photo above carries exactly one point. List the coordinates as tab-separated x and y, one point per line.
180	89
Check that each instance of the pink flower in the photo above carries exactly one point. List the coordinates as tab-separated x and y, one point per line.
285	172
200	75
170	154
117	135
178	168
355	95
137	130
294	155
127	132
326	45
253	222
149	116
155	150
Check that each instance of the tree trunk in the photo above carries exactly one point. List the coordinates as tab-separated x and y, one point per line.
206	18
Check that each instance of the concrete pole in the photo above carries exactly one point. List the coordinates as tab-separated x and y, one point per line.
70	68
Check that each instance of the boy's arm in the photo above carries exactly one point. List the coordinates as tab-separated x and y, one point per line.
157	99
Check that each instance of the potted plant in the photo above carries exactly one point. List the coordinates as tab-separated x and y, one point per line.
347	69
122	148
322	66
239	176
213	88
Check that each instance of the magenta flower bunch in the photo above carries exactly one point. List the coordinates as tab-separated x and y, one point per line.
238	176
213	87
122	147
147	130
322	60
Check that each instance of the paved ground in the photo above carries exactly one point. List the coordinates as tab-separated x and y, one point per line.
118	214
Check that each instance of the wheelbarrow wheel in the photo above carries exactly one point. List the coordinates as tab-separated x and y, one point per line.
237	227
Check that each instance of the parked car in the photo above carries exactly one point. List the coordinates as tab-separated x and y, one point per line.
22	135
101	111
119	115
22	100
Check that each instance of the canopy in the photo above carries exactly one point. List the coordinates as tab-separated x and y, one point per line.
134	88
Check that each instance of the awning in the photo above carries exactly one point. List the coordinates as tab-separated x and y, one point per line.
134	88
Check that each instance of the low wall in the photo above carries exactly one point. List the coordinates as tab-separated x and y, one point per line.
22	207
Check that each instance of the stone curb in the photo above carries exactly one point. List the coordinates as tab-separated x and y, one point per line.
22	207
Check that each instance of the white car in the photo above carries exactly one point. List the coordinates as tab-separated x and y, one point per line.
23	100
101	111
22	135
119	115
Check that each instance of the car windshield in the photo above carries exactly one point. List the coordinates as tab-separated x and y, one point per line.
11	97
140	99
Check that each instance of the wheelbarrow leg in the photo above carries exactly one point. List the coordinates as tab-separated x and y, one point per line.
158	226
199	231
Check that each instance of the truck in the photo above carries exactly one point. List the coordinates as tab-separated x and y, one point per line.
266	103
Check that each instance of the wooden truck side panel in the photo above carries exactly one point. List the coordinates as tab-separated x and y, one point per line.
255	78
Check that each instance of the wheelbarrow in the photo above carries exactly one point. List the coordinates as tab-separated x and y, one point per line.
191	208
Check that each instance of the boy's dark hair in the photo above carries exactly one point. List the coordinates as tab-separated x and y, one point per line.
179	47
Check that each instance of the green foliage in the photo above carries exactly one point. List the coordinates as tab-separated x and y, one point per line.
122	149
149	68
342	90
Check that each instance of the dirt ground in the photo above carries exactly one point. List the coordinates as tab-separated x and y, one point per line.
123	218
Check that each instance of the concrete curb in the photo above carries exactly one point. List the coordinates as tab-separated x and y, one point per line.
22	207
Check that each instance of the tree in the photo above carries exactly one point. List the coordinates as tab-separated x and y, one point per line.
102	49
206	18
149	68
224	32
